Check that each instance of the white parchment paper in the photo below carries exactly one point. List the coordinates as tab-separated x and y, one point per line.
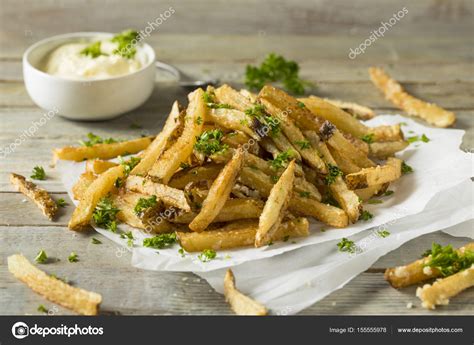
439	165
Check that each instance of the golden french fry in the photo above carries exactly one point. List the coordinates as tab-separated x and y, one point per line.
241	304
383	150
275	207
358	111
98	166
169	195
98	189
387	133
38	195
443	289
240	235
416	271
365	194
167	164
232	119
227	95
389	172
207	172
158	145
80	301
102	151
80	187
394	92
218	193
346	165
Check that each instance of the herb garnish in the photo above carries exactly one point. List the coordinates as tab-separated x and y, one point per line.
73	257
303	144
281	159
383	233
125	45
207	255
366	215
184	165
209	142
406	169
96	241
42	309
105	214
447	260
38	173
61	202
160	241
333	173
346	245
305	194
258	113
129	164
41	258
368	138
374	201
93	50
416	138
275	68
301	105
144	203
388	192
95	139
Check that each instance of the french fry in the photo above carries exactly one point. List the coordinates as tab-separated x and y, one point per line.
98	166
346	165
233	209
207	172
38	195
358	111
389	172
394	92
98	188
158	145
443	289
78	300
242	235
383	150
80	187
218	193
415	272
275	207
232	119
169	195
365	194
387	133
167	164
101	151
227	95
241	304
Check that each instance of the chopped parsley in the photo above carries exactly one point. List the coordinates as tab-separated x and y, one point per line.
209	99
305	194
95	139
184	165
160	241
209	142
368	138
96	241
61	202
41	258
281	159
388	192
199	120
73	257
366	215
447	260
416	138
181	252
301	105
374	201
38	173
346	245
129	164
261	117
128	235
333	173
125	43
274	178
383	233
144	203
42	309
118	182
406	169
93	50
303	144
219	106
207	255
105	214
275	68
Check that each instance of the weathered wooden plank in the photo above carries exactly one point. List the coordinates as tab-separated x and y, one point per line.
135	291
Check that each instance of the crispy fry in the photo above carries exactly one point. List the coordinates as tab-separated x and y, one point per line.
232	119
169	195
218	193
81	301
240	304
227	95
387	133
358	111
38	195
415	272
233	209
102	151
387	149
346	165
158	145
394	92
443	289
207	172
242	234
98	166
365	194
275	207
389	172
167	164
80	187
98	188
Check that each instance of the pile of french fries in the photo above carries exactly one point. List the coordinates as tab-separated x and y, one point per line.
236	169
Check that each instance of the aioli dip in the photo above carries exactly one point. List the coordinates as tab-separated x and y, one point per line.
66	61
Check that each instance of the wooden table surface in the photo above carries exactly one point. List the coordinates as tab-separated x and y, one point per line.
429	50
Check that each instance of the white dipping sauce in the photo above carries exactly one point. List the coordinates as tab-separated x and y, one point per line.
66	61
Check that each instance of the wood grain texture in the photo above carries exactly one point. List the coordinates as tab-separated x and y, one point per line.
429	51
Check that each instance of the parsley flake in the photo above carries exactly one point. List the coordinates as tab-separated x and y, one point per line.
144	203
96	241
406	169
368	138
383	233
61	202
333	173
38	173
73	257
209	142
105	214
41	257
160	241
366	215
281	159
346	245
447	260
207	255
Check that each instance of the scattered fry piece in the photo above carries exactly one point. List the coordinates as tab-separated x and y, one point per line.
240	304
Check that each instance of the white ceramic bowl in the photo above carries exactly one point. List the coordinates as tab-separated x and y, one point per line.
89	100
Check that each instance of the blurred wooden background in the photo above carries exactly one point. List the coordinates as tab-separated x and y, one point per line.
430	50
